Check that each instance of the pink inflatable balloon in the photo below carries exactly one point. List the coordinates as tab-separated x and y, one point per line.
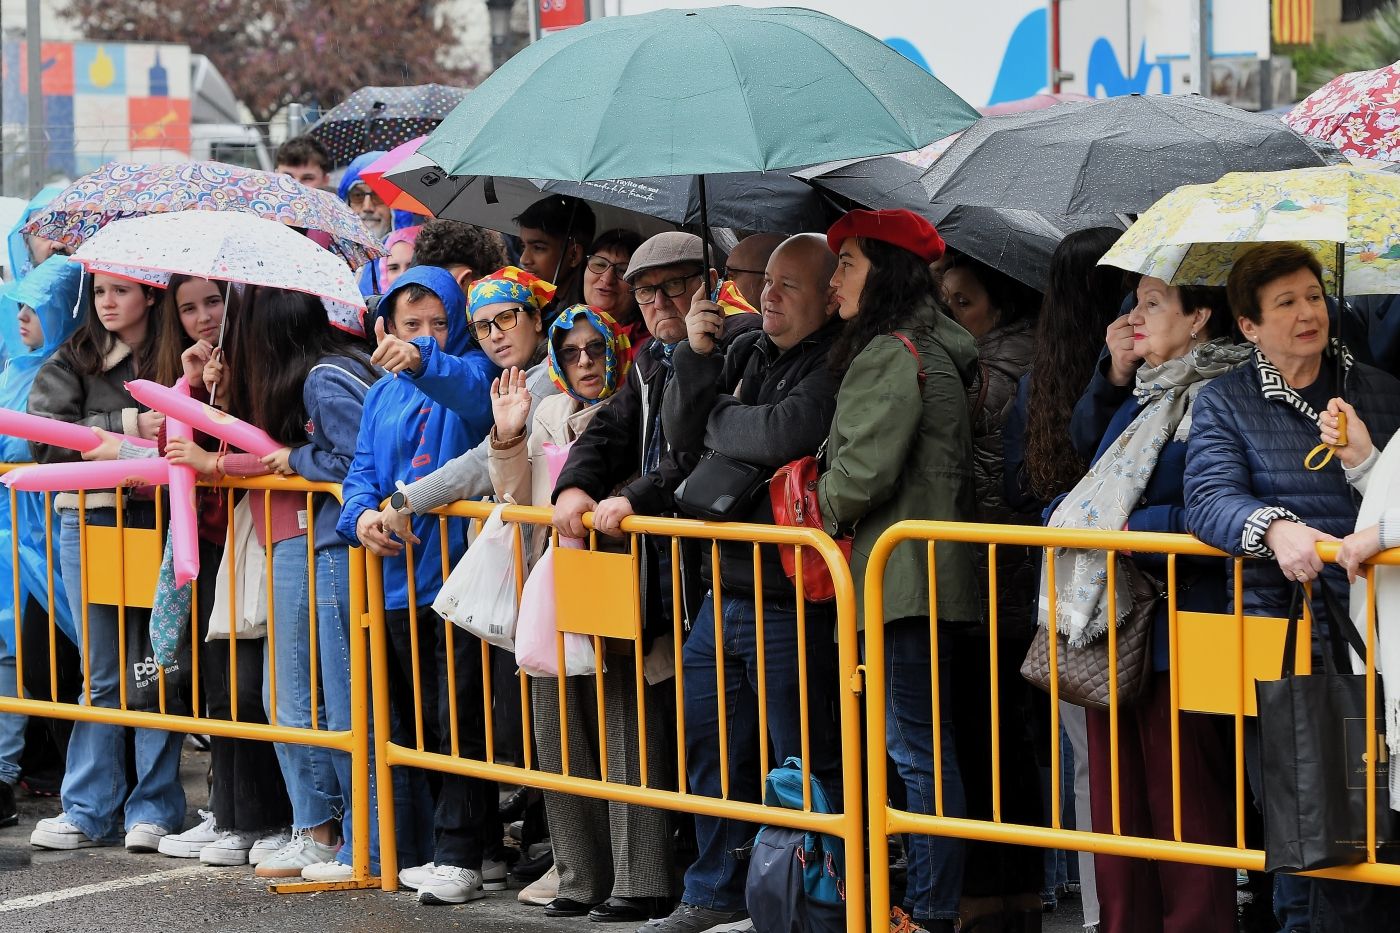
43	430
184	526
203	418
93	474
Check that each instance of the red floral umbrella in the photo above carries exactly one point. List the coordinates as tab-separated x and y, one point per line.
1358	112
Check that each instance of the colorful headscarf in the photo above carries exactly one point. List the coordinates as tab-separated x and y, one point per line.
511	284
616	360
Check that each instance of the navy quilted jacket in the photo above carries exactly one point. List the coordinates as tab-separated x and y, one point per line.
1244	468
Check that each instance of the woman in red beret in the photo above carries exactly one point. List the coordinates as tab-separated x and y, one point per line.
901	448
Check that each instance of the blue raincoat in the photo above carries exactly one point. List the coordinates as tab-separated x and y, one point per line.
369	275
18	250
52	291
413	424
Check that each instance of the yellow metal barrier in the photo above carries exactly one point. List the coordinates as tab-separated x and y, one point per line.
119	565
622	582
1253	640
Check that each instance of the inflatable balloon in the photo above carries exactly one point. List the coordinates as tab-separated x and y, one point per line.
43	430
203	418
184	526
91	474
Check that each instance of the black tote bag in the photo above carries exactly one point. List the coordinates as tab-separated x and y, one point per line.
1312	737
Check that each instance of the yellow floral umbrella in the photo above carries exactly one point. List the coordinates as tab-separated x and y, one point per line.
1194	235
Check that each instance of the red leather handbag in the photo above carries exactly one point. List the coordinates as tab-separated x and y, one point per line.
793	491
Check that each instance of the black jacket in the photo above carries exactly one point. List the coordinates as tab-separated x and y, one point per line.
782	411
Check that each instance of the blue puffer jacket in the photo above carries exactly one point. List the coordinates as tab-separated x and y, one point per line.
1245	468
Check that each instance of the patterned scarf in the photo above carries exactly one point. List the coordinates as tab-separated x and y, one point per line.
509	285
618	357
1114	487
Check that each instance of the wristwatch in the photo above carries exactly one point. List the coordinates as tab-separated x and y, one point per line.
399	503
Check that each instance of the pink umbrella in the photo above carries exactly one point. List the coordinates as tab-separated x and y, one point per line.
390	193
1358	112
1034	102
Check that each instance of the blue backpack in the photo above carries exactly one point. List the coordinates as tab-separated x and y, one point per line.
795	881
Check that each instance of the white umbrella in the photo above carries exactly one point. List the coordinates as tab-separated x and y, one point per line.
225	246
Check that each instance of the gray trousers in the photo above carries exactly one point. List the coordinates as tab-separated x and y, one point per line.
604	849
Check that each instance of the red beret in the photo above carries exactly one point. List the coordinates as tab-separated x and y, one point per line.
901	228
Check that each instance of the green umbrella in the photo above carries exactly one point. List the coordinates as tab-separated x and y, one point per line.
695	92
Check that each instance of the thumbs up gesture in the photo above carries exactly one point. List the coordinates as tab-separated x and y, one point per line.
392	354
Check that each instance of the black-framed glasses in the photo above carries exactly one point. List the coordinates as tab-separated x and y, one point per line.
596	350
671	288
599	265
503	322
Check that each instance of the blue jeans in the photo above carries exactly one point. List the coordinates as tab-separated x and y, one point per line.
935	876
95	785
716	879
309	772
12	725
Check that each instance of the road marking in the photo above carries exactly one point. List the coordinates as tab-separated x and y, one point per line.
117	884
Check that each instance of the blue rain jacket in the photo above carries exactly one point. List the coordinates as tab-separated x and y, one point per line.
20	264
414	424
52	291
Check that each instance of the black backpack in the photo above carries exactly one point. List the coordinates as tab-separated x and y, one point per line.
795	881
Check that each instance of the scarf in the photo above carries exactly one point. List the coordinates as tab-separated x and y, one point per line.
1114	487
618	357
656	441
509	285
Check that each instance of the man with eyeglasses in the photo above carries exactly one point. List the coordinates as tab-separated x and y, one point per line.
747	263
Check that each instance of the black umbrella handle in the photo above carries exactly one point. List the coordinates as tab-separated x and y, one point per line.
705	238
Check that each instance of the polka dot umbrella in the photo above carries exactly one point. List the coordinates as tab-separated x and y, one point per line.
375	118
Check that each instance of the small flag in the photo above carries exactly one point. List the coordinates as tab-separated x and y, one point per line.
1293	22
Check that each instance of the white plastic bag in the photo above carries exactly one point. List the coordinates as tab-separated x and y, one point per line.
479	595
535	648
249	583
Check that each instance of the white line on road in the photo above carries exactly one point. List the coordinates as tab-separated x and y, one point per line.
117	884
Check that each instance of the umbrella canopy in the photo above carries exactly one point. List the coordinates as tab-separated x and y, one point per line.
134	189
227	247
1356	112
1017	243
1194	235
1026	104
375	118
390	193
1115	156
694	92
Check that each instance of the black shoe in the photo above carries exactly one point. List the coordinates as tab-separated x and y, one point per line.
530	870
513	807
9	815
630	909
564	907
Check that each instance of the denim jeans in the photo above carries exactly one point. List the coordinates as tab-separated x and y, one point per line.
95	784
935	878
309	772
716	879
12	725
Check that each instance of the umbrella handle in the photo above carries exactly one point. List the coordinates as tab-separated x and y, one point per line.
1322	454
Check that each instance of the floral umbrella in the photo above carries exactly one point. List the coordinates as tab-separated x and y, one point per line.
1356	112
227	247
134	189
1194	235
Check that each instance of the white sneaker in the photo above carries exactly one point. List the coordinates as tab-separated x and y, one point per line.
231	848
449	884
57	832
145	837
495	875
288	861
188	843
411	878
333	870
267	845
542	891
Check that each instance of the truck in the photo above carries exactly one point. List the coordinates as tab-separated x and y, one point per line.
122	101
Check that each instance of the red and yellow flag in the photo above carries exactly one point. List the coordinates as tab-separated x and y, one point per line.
1293	22
732	301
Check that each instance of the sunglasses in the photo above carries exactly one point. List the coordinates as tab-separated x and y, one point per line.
596	350
506	320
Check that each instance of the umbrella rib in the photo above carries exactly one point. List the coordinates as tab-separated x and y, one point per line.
734	67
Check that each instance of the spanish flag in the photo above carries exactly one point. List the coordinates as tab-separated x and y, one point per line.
1293	22
732	301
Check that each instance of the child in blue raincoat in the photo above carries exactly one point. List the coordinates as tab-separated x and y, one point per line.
36	315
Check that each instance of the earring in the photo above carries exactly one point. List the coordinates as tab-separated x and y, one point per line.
1193	335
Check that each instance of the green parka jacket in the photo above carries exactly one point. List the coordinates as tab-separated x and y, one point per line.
898	452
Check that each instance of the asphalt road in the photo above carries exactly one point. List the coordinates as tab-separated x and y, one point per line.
108	890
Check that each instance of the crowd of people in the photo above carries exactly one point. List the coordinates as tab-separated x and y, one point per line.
927	384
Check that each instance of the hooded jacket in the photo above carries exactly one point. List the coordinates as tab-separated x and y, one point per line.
370	276
899	450
20	264
415	423
52	291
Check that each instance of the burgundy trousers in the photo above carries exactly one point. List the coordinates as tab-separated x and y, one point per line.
1150	896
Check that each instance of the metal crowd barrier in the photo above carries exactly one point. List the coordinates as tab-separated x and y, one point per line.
119	568
613	595
1192	690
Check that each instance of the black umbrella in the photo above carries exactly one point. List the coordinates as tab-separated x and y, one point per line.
380	118
1018	243
1110	156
